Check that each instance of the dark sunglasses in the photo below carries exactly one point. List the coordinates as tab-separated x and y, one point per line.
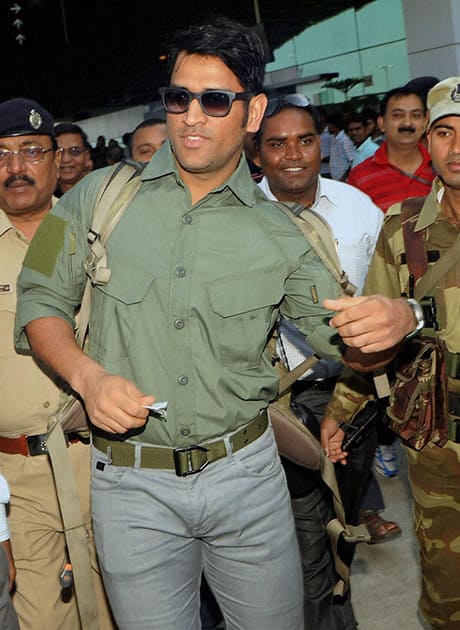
276	103
212	102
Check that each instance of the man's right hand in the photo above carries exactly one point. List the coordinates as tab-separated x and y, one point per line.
113	403
11	566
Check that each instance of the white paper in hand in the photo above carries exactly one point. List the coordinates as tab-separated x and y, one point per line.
158	409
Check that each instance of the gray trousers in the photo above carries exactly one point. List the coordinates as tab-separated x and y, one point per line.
155	532
8	617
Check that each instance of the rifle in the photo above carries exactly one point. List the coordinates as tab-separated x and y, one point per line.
358	429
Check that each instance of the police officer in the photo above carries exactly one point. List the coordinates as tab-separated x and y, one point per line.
28	175
434	472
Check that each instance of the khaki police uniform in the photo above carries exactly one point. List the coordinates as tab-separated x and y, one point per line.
28	397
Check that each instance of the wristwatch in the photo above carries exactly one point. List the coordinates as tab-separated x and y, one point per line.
419	317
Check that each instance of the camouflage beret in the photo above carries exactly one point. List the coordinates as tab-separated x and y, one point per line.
23	117
444	99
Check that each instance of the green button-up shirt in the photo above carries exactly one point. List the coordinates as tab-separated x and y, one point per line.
193	295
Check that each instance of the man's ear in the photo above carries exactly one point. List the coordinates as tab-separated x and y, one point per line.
257	106
380	124
428	139
256	155
57	157
427	121
251	148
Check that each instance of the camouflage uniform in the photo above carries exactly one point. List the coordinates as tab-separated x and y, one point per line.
434	472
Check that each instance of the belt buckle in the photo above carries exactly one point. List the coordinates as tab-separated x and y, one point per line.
189	470
36	444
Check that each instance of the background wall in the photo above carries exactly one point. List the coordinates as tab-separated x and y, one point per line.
370	41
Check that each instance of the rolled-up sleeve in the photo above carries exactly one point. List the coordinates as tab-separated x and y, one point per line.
53	278
306	288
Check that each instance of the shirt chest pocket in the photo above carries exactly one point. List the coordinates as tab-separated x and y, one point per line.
116	315
243	310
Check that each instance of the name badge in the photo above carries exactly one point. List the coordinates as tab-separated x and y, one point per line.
6	288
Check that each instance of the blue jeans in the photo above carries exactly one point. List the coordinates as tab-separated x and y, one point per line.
155	532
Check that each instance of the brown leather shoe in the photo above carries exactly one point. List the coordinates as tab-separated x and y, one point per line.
379	529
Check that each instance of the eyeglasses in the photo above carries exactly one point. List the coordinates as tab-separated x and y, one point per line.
276	103
213	102
72	151
29	155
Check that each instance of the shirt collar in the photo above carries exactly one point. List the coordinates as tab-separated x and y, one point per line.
240	182
431	209
5	223
321	193
381	155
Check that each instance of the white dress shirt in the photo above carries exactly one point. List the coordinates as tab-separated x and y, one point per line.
4	498
355	222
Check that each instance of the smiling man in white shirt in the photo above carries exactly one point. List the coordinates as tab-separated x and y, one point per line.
288	151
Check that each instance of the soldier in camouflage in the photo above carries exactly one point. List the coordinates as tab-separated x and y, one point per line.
434	472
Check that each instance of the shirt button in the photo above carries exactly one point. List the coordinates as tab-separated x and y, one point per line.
46	404
185	431
187	219
180	271
182	380
179	323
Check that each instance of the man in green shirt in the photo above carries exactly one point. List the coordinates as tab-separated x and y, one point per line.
201	267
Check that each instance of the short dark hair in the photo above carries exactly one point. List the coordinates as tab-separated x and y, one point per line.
237	46
399	92
336	119
148	122
67	127
369	114
357	117
286	105
114	153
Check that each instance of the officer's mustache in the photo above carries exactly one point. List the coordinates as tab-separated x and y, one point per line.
409	129
12	179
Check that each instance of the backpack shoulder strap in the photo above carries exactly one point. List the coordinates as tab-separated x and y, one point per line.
115	194
119	175
414	241
115	183
416	254
318	233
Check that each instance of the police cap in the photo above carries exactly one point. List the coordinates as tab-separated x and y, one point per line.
444	99
23	117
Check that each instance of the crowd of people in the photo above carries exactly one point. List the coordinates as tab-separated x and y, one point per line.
190	515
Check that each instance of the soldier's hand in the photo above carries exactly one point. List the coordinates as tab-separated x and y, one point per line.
371	324
331	440
113	403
